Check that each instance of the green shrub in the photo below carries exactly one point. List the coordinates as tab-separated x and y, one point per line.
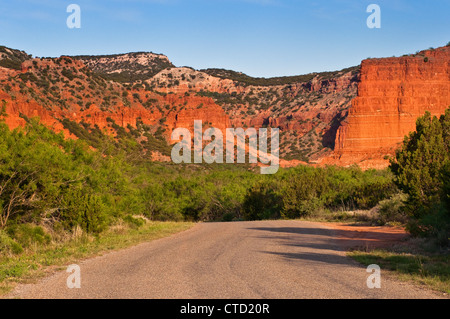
133	221
11	64
64	181
445	177
435	223
28	234
422	170
393	209
228	217
9	245
262	202
84	210
419	162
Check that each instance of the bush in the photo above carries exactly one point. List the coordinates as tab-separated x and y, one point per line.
70	186
84	210
228	217
445	177
262	202
393	209
434	224
419	162
9	245
133	221
422	170
27	235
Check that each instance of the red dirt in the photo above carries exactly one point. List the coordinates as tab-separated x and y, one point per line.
367	237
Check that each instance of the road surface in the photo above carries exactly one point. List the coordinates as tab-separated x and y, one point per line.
239	260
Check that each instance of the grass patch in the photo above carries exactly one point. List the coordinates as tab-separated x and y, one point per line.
355	217
35	262
416	260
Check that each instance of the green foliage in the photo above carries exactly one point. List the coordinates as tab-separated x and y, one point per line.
83	210
27	234
248	80
129	72
262	202
445	177
3	109
228	217
68	74
12	59
11	64
9	245
419	162
302	191
156	142
40	173
133	221
393	209
435	223
422	170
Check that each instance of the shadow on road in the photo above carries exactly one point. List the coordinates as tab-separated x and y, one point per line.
296	230
315	257
347	237
302	240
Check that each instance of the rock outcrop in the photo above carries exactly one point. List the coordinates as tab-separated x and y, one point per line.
392	94
307	109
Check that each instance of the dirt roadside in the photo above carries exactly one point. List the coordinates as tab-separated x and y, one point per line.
352	237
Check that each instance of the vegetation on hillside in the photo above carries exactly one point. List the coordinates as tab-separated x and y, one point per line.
282	80
11	58
124	71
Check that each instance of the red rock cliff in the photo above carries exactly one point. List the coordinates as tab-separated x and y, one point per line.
392	94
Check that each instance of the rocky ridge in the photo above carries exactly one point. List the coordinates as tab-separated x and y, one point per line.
392	94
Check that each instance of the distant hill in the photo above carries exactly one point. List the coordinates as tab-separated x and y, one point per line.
128	67
11	58
283	80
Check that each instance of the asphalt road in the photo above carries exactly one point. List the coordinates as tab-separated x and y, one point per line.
241	260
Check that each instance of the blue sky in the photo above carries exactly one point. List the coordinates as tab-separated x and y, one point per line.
257	37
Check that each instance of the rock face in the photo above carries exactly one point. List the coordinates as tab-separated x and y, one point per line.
197	108
307	109
392	94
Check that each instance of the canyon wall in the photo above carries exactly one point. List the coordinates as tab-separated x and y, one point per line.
392	94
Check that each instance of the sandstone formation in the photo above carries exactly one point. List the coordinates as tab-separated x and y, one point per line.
307	112
392	94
